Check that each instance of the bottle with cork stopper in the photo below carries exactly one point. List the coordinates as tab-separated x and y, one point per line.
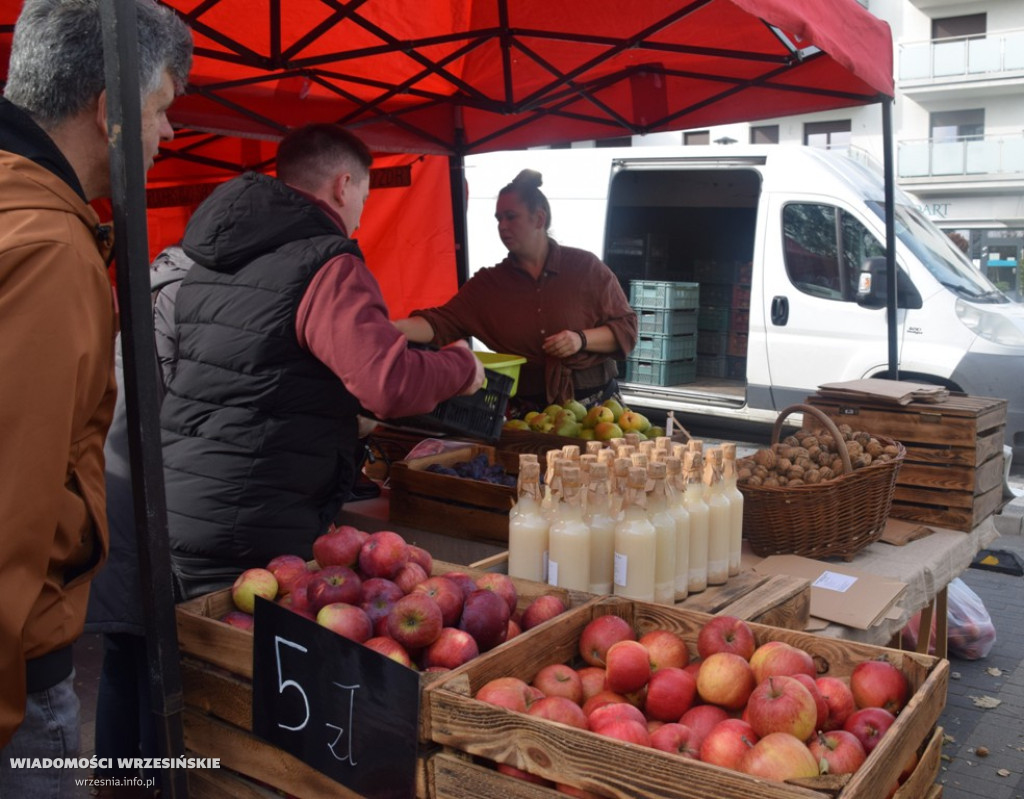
601	521
735	497
675	488
528	529
635	543
718	518
569	537
665	534
693	499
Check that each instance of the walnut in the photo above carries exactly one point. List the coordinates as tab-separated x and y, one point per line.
760	471
796	482
795	472
754	481
826	441
744	474
791	441
862	460
801	435
825	458
797	453
826	473
845	431
837	467
784	451
854	449
765	458
891	449
770	482
874	448
783	465
810	441
862	438
804	463
812	476
813	452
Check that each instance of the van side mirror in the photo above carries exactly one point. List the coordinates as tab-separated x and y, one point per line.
872	288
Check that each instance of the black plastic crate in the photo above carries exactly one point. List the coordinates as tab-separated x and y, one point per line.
480	415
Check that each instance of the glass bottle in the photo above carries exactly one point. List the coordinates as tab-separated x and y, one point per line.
735	497
601	521
524	458
719	519
635	544
665	535
569	537
674	489
693	499
552	483
528	529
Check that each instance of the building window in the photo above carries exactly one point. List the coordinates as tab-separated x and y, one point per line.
615	141
764	134
956	27
833	135
949	126
697	137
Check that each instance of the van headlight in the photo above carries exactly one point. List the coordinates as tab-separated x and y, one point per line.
990	325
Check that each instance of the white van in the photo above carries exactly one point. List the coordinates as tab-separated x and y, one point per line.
776	237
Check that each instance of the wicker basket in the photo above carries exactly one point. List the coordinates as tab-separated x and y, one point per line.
835	518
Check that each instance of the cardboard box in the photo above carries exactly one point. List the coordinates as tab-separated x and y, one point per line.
838	593
586	760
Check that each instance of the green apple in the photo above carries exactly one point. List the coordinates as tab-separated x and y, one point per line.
615	408
655	432
606	431
577	408
552	410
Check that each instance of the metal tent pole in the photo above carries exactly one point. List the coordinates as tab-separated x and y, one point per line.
121	64
890	238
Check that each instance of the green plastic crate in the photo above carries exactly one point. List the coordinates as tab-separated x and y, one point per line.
713	319
665	348
666	323
664	295
661	373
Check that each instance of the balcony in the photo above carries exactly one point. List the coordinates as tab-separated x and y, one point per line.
946	63
986	158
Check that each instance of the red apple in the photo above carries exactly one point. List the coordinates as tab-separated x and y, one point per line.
837	752
347	620
520	774
415	621
592	680
408	576
513	629
288	570
725	679
383	554
700	719
421	556
625	730
378	597
544	607
602	698
676	738
665	649
670	693
819	701
333	584
778	657
558	708
509	692
485	617
878	683
613	711
726	634
463	580
779	756
782	704
599	635
239	619
452	648
447	594
559	679
627	667
250	584
727	742
390	648
578	793
869	724
502	585
839	698
339	546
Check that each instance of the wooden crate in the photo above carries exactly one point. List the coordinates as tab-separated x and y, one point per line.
583	759
778	600
455	775
952	475
216	671
454	506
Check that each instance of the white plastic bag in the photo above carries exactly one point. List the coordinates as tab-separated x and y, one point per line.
970	633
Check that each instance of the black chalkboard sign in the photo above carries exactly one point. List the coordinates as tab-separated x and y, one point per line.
339	707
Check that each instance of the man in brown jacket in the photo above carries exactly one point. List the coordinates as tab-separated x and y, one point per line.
57	328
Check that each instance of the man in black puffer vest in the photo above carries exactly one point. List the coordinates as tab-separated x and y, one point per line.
284	338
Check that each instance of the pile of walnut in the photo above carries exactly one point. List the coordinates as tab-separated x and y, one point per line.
808	457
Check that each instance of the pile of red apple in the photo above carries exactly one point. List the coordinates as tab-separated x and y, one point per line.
377	589
761	710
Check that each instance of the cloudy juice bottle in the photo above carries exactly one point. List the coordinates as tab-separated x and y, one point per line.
693	499
635	543
569	537
735	497
528	529
719	519
599	516
665	535
674	489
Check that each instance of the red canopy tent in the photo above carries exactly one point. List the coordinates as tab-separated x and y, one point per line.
451	78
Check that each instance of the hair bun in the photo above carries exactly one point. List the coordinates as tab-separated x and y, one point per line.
529	178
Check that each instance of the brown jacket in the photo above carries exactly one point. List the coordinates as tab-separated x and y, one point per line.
57	391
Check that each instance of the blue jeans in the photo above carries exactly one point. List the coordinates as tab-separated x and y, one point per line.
50	730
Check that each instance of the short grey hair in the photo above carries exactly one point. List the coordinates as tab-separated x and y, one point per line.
56	67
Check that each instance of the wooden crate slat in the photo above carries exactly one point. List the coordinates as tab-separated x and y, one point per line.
945	515
961	479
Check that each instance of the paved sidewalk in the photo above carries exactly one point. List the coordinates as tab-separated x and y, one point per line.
998	730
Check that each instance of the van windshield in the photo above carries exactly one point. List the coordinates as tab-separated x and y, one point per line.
940	256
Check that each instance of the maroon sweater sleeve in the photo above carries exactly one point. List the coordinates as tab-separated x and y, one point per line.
343	321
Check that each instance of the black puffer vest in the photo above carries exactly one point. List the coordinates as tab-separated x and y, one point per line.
259	436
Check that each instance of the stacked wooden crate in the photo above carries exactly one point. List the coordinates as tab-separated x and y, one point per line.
952	476
666	349
477	735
